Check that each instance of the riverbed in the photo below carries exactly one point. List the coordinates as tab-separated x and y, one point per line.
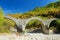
29	36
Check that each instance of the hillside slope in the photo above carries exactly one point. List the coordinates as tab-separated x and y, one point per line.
51	10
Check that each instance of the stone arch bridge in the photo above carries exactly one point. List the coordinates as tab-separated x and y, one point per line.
21	23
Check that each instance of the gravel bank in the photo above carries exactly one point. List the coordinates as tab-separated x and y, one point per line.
39	36
30	36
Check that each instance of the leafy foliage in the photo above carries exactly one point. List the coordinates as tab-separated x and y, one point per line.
1	17
5	24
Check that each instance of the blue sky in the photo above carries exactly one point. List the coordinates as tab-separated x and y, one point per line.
21	6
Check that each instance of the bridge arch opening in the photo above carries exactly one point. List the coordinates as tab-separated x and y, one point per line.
34	26
12	26
55	26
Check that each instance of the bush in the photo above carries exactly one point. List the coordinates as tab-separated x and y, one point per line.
4	28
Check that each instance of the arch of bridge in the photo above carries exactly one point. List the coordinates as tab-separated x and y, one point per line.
33	18
11	18
51	20
18	24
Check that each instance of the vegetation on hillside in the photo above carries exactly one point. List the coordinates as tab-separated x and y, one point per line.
51	10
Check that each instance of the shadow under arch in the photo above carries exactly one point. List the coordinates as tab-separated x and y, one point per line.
55	26
36	30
